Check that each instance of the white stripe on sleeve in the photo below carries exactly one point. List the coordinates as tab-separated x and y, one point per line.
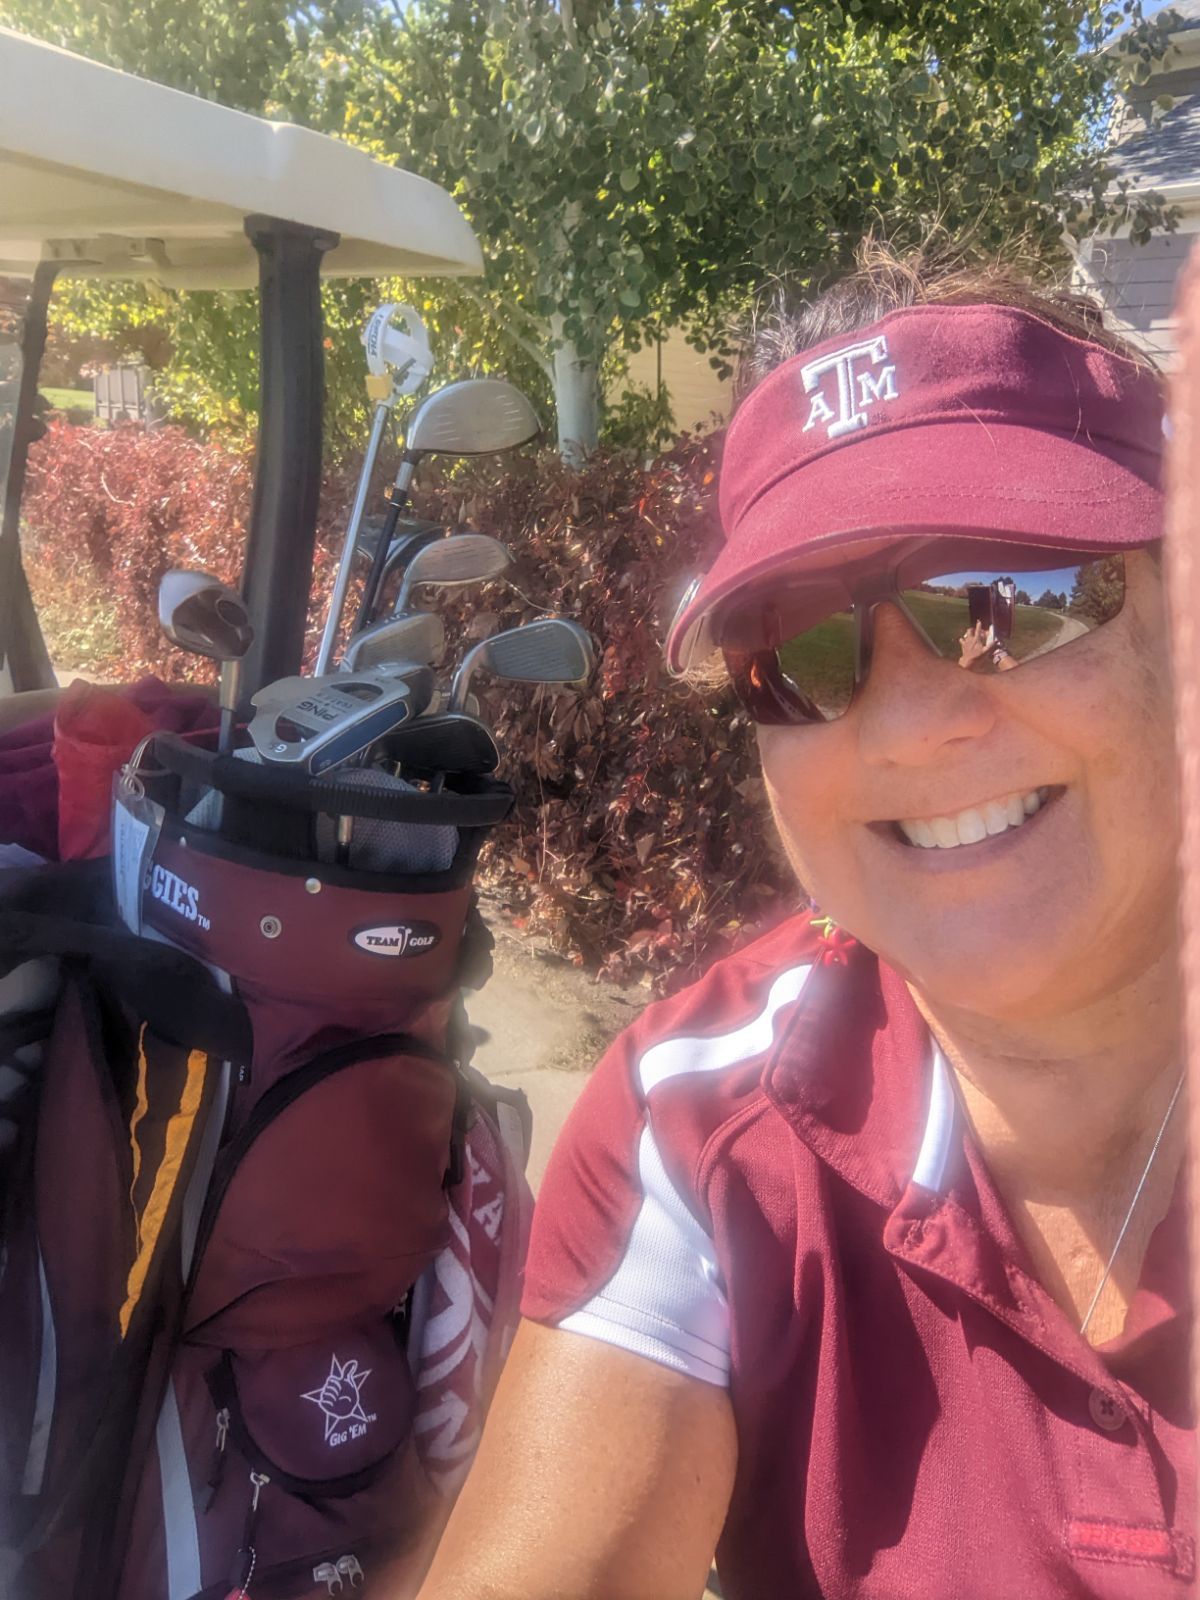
666	1300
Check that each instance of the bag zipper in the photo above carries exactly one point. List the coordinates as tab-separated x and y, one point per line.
217	1472
246	1559
336	1565
275	1101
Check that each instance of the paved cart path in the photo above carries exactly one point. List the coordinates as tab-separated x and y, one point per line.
547	1026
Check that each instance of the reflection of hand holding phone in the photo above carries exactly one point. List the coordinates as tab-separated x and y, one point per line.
979	604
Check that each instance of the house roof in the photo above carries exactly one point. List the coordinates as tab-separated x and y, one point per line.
110	174
1168	151
1189	11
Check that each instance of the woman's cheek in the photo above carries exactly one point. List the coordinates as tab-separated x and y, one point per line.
801	771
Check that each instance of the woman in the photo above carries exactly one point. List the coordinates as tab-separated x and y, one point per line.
865	1257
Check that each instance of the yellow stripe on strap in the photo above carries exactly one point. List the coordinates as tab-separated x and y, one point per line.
139	1111
179	1131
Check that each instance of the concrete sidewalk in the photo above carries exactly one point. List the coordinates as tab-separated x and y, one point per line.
547	1026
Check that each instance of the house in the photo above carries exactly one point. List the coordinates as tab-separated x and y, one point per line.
1158	152
700	400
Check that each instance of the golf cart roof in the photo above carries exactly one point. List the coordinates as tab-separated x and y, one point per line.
114	176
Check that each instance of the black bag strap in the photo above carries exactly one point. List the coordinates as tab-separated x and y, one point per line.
487	805
170	990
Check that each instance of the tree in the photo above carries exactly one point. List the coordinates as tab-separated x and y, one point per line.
630	166
1098	591
634	165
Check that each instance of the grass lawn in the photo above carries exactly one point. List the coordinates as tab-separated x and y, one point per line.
70	399
817	662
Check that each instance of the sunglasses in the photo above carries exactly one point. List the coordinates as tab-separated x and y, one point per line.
796	652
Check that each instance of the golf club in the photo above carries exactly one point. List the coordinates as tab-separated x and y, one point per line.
479	416
449	563
416	636
410	534
398	362
199	613
434	745
550	650
318	723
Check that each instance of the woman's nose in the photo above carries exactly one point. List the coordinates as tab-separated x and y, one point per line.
914	705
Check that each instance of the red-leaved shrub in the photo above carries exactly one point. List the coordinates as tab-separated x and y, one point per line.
640	842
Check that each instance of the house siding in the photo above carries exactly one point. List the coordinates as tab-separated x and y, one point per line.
1137	283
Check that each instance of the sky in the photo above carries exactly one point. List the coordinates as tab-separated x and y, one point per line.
1031	582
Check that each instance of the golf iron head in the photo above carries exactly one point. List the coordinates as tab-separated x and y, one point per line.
314	724
415	636
550	650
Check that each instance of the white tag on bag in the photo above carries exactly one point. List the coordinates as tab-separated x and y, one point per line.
136	824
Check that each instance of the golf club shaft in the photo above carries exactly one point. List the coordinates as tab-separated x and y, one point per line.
397	504
346	565
227	699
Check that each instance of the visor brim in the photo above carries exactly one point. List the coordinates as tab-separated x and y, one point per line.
994	481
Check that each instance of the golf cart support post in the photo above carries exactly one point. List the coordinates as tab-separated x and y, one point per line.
283	520
103	174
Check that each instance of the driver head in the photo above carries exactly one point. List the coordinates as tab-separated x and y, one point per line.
477	417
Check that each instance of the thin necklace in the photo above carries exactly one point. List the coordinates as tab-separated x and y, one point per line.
1137	1195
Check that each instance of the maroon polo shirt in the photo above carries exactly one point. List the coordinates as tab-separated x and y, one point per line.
768	1184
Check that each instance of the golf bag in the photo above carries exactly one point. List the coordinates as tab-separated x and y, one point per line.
262	1225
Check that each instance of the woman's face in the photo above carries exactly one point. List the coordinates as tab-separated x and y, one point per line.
1042	917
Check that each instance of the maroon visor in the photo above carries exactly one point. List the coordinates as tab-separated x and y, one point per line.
980	421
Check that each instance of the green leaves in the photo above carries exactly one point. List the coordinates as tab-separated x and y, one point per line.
651	165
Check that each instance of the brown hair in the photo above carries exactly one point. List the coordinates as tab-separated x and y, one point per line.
885	279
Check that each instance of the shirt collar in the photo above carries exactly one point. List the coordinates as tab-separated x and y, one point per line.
857	1075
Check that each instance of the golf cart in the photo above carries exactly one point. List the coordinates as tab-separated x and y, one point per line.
106	175
270	1178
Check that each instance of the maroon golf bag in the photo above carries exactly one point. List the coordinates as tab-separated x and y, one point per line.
262	1225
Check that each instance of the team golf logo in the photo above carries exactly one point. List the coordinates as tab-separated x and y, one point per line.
339	1400
863	378
398	939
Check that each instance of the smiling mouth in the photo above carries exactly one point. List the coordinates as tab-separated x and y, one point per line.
975	824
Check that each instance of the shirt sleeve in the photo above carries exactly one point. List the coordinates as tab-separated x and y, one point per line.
617	1253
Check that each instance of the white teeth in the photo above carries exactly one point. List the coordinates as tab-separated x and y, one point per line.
971	827
975	824
919	833
995	817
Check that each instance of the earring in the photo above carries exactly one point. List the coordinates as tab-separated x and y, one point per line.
835	944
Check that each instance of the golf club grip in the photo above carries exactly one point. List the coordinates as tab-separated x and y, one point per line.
378	561
296	791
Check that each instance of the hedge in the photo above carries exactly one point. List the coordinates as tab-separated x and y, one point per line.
640	844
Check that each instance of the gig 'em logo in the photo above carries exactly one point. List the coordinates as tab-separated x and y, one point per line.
339	1399
398	939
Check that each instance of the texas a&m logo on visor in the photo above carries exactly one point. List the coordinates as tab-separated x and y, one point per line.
846	383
